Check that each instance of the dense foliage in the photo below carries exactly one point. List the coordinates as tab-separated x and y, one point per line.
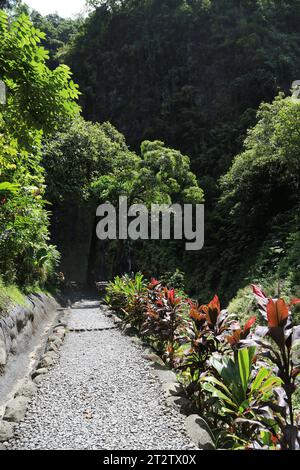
192	86
194	80
193	73
39	101
253	234
7	3
88	164
189	72
241	378
59	34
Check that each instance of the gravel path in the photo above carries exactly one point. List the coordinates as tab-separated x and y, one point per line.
100	395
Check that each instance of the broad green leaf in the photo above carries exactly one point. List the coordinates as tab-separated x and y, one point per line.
213	380
261	376
218	394
244	361
270	383
9	187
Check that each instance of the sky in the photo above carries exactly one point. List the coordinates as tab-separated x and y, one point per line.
64	8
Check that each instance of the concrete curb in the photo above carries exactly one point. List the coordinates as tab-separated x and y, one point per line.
16	408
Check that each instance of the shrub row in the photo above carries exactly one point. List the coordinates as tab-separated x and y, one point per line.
242	378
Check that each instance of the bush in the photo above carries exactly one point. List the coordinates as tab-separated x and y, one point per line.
243	379
25	256
10	295
126	295
243	304
39	102
174	280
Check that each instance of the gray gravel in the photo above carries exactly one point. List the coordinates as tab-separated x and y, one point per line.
100	396
84	317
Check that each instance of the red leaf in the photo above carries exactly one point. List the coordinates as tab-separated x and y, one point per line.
212	311
274	440
235	338
277	313
215	303
258	292
171	296
249	324
154	282
195	315
295	302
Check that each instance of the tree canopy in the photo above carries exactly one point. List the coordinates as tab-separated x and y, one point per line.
169	92
190	73
39	101
260	196
59	33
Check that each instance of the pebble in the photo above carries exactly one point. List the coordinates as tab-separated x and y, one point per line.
100	395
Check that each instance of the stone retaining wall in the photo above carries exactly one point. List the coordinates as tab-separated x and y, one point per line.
18	326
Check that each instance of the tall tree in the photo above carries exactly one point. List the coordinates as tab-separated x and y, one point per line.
59	33
191	73
39	101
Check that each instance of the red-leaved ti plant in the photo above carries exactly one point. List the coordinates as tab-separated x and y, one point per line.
196	313
209	320
154	283
206	335
279	350
172	299
238	333
163	319
212	311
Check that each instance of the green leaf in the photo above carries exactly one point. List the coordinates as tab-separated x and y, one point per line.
261	376
269	384
218	394
213	380
9	187
244	358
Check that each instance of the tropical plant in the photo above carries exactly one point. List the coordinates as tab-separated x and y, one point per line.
238	333
39	101
115	295
238	380
279	343
127	295
136	301
163	320
243	394
204	335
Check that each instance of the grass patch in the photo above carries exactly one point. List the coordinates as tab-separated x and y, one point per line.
10	296
243	305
